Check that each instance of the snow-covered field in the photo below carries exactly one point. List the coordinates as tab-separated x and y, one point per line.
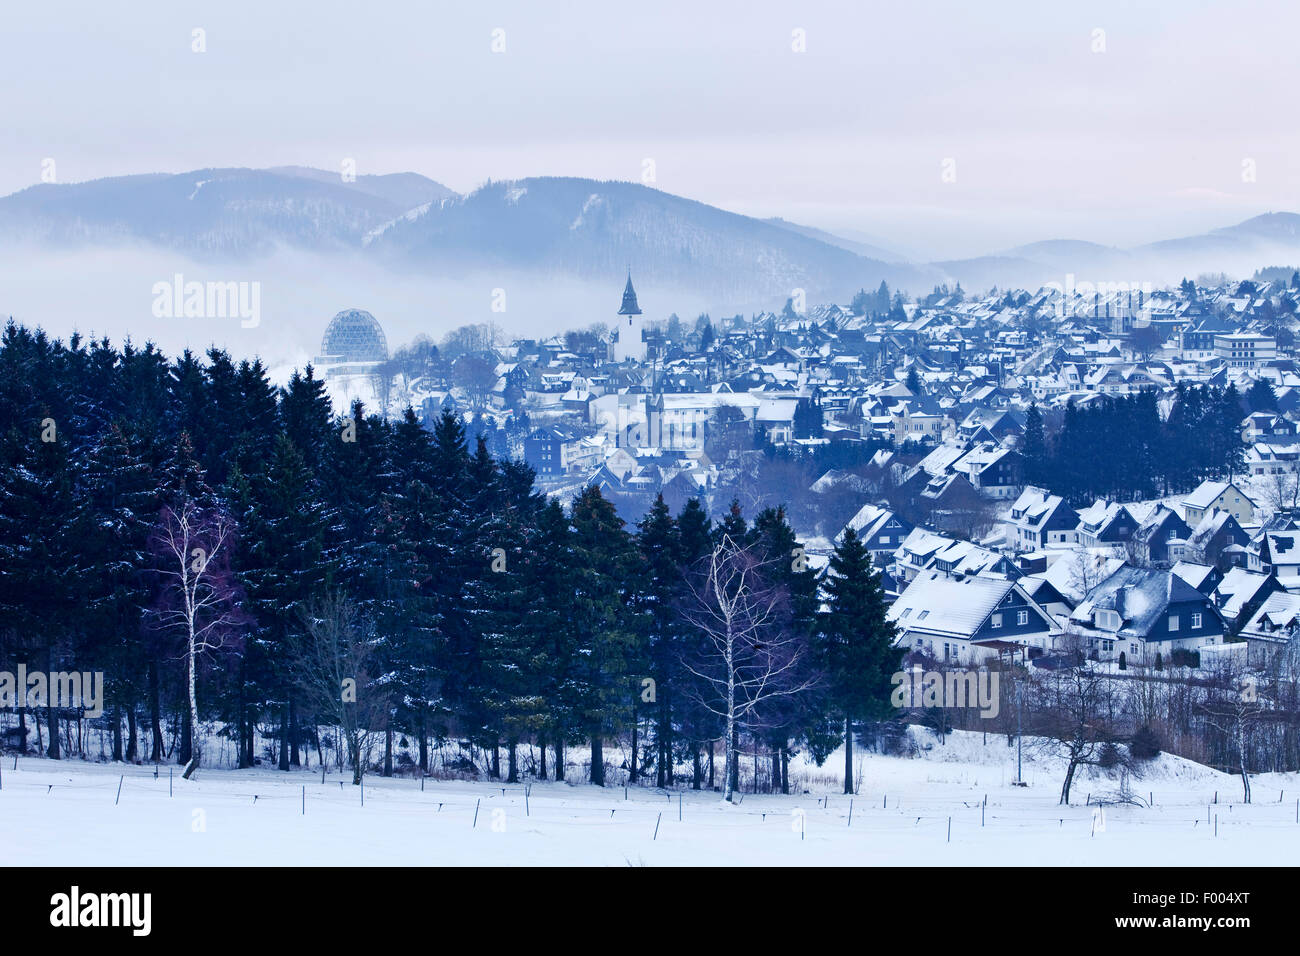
65	813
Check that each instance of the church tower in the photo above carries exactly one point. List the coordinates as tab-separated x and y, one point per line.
631	338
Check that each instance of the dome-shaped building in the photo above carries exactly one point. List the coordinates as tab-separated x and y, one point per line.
353	343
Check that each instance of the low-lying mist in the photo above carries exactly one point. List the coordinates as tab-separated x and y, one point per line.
121	292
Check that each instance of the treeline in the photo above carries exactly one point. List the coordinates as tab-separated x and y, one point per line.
1121	447
231	553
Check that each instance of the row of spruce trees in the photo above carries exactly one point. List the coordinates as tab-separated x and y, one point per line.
1123	447
499	617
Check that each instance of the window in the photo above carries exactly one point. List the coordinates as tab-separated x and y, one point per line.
997	620
1022	617
1173	622
923	615
1196	621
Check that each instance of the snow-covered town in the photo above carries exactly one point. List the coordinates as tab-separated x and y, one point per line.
933	429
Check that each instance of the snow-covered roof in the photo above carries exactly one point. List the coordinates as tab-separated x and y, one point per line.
952	606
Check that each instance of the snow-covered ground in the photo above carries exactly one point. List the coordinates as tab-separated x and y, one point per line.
65	813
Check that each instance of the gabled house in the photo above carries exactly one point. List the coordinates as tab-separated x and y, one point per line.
968	619
1047	597
1204	577
1105	523
1162	537
966	558
1142	612
919	419
992	470
1219	540
1239	595
916	552
1218	495
1039	519
881	532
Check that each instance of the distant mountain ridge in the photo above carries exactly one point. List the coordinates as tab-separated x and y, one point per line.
234	212
594	230
570	228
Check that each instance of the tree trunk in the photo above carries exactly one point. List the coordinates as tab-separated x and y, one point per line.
696	772
424	745
597	758
155	715
354	750
1241	761
284	736
512	760
667	732
388	752
636	726
559	757
294	735
848	754
52	725
244	728
496	760
541	767
117	734
1069	779
731	774
711	784
734	773
195	754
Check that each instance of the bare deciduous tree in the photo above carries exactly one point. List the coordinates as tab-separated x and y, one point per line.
746	655
200	594
1076	720
334	664
1233	707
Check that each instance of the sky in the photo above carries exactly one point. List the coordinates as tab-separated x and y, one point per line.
939	129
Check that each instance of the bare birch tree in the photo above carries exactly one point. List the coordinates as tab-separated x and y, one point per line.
1233	708
200	595
745	654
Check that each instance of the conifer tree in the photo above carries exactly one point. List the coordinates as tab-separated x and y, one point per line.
857	641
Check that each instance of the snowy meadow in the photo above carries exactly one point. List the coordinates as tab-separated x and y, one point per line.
954	804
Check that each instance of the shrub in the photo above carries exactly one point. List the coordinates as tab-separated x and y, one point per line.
1145	744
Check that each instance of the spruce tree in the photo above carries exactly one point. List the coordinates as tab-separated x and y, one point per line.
857	641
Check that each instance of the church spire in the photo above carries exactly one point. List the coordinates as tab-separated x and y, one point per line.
629	299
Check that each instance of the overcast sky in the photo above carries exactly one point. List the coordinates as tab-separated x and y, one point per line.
1048	138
